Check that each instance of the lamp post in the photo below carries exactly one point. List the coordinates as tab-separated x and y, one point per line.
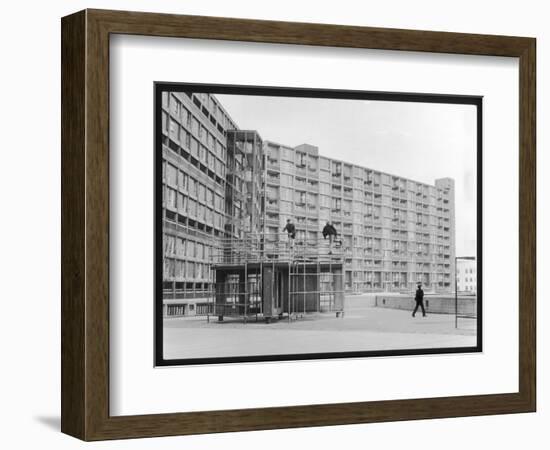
456	290
456	296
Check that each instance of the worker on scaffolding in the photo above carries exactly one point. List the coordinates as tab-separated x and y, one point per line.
331	232
290	229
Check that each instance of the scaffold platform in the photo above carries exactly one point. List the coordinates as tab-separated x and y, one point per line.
270	277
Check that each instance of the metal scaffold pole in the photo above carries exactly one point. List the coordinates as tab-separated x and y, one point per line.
289	287
304	288
456	297
318	283
331	299
245	287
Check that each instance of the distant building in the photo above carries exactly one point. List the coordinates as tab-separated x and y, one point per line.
466	274
220	182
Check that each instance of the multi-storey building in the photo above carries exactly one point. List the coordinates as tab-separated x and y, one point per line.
220	181
466	274
395	231
194	170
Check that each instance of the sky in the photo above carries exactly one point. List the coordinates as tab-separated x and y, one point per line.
420	141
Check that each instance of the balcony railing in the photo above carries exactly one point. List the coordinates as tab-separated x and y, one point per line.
271	247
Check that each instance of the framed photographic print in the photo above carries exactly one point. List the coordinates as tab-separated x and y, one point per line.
332	255
265	224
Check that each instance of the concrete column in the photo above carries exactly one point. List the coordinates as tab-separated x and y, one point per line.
242	296
268	302
219	307
338	289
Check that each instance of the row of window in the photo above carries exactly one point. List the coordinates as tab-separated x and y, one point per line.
184	269
180	106
192	187
188	130
466	280
391	276
174	268
469	288
192	209
303	224
289	197
201	152
277	187
185	248
214	109
182	247
289	158
298	190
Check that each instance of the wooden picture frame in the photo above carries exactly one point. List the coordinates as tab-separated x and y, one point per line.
85	224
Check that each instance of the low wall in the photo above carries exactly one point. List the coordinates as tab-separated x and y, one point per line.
441	304
361	300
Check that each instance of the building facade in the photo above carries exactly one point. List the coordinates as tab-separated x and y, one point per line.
219	182
195	163
395	231
466	274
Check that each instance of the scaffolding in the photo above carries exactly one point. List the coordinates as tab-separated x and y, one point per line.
260	274
263	275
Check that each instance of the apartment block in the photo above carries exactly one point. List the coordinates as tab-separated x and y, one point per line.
194	208
395	231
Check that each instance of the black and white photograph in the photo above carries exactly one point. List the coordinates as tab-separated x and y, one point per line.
297	224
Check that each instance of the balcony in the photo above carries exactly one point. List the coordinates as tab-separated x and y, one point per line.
271	179
301	171
273	163
300	183
313	185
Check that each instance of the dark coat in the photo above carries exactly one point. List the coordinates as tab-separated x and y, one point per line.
419	296
329	230
290	229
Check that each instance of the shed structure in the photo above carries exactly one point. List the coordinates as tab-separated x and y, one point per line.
267	276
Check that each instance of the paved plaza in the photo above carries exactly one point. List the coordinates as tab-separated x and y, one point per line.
363	328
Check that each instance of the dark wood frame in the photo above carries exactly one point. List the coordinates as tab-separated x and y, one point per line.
85	224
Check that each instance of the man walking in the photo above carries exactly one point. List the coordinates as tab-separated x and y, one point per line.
331	232
419	298
291	232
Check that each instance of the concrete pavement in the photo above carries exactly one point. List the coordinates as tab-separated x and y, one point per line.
363	328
